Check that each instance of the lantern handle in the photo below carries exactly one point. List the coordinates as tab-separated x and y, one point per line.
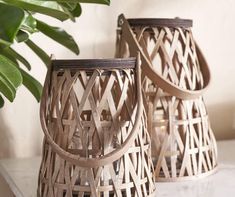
155	77
102	160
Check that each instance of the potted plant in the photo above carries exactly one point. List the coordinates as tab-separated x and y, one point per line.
17	23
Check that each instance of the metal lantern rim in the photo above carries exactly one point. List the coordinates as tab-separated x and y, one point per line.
164	22
94	63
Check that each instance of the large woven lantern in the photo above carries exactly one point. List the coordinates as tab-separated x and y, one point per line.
174	77
96	142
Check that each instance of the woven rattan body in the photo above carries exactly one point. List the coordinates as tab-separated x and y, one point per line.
175	75
96	142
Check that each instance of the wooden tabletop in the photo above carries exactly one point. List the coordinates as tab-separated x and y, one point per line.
21	176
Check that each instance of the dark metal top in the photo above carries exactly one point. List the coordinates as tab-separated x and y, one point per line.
90	64
161	22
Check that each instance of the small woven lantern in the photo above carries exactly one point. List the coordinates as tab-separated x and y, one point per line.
175	76
96	142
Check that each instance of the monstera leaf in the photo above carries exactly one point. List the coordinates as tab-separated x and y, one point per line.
10	79
17	23
11	19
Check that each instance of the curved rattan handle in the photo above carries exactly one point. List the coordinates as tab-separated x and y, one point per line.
156	78
96	162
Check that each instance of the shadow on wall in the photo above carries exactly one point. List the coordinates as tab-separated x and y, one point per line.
222	118
20	129
6	139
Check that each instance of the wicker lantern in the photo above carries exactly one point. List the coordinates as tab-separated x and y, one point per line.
175	76
96	142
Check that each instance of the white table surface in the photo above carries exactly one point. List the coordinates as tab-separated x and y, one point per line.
21	176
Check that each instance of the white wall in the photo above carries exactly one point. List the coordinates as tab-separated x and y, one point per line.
214	29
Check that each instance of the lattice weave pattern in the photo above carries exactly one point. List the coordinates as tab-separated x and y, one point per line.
91	114
183	144
172	53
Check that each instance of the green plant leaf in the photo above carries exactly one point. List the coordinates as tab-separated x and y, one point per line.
59	35
29	24
73	1
8	56
22	36
77	11
32	85
106	2
70	5
18	57
39	52
67	11
10	78
72	9
1	102
50	8
6	88
10	19
9	72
